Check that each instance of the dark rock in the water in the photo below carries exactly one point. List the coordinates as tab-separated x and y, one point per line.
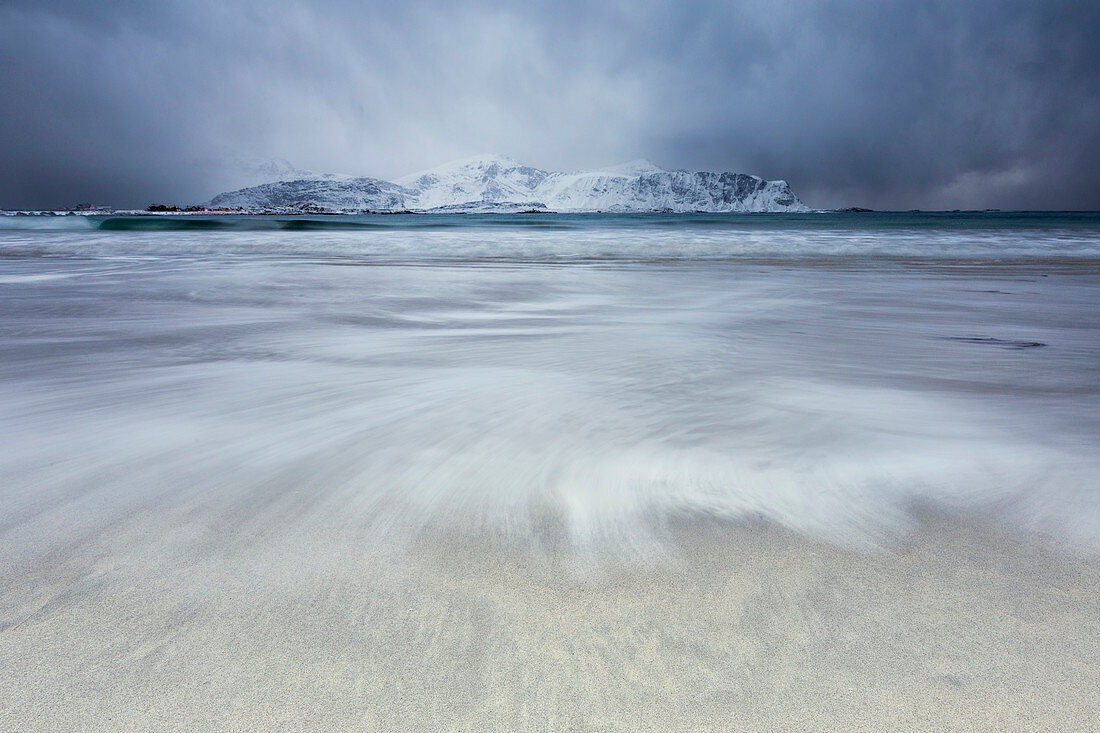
1003	343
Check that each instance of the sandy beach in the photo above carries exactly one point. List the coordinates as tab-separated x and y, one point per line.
164	625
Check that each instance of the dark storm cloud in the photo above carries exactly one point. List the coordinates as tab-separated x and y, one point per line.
903	104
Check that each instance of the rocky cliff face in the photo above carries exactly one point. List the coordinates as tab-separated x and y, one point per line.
350	194
494	182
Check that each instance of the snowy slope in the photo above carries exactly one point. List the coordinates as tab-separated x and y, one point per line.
488	178
348	194
667	191
495	182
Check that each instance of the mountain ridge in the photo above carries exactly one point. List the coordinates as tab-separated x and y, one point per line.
485	182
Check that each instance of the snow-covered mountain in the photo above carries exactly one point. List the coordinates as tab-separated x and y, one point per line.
341	194
484	179
493	182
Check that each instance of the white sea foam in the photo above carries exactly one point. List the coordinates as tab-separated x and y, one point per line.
588	404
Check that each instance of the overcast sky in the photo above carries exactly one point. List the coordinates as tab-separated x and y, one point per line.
888	105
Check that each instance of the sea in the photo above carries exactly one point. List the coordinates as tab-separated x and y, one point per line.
829	471
575	381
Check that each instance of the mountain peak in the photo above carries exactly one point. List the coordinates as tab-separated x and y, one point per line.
463	165
484	160
639	167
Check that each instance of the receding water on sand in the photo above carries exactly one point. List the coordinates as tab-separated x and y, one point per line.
715	473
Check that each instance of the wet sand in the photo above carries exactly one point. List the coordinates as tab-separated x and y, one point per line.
158	624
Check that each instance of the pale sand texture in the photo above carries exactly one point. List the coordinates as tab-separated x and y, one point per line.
168	625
